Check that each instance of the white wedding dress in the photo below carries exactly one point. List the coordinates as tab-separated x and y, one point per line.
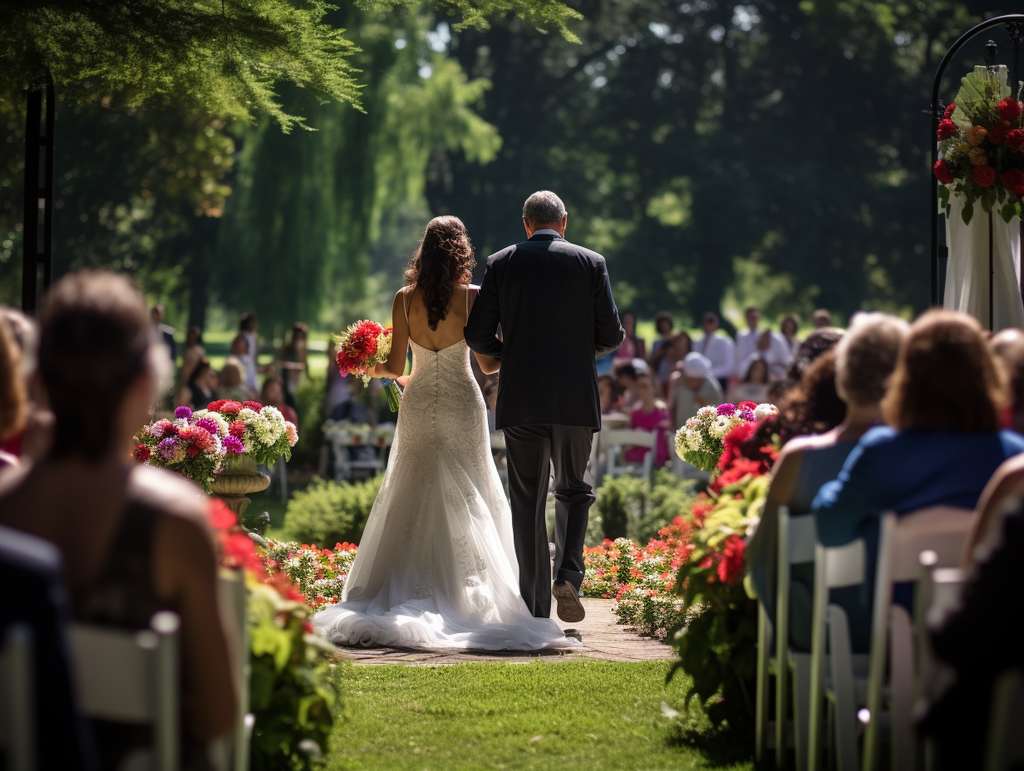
436	567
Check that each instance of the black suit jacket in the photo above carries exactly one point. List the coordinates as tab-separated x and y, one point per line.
553	303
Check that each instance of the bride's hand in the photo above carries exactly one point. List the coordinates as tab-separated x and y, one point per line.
402	380
379	371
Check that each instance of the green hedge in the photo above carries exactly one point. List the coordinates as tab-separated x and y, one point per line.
628	508
326	513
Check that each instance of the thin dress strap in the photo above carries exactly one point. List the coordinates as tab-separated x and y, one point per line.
467	300
405	307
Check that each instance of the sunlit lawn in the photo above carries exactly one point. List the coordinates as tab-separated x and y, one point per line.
538	715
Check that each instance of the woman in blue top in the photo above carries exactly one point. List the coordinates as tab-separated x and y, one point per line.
941	444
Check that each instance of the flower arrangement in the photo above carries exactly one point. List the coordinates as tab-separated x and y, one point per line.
189	445
249	428
361	347
700	441
981	146
319	573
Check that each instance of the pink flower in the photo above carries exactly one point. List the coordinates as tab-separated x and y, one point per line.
233	445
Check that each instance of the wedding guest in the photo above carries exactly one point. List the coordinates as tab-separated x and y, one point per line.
820	341
773	349
789	327
625	373
611	394
201	388
664	326
941	446
695	388
974	642
821	319
230	385
673	354
156	317
1008	346
13	397
753	387
272	393
293	360
859	372
192	353
651	414
32	441
137	540
247	326
718	349
746	342
632	347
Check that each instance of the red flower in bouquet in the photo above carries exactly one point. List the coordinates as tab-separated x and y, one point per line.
730	566
237	429
254	406
947	128
949	110
1013	181
998	133
1009	109
984	175
225	407
1015	140
141	453
942	172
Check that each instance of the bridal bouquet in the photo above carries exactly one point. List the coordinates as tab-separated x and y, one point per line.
251	429
981	146
700	441
361	347
190	445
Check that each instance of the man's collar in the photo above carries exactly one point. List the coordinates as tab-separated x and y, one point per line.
545	232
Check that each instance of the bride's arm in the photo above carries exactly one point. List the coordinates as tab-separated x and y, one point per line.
394	367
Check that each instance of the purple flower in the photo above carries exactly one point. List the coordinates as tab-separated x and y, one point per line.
183	412
208	424
747	415
726	409
167	448
233	445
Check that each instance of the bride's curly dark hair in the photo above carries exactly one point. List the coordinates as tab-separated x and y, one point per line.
443	260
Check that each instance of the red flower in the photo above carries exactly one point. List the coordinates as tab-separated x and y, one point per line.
947	128
730	567
1013	181
1009	109
221	517
1015	140
984	175
237	429
230	407
215	406
747	405
192	451
254	406
733	442
141	453
949	110
998	133
740	468
942	172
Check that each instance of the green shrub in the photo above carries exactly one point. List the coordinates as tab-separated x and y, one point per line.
326	513
627	508
309	401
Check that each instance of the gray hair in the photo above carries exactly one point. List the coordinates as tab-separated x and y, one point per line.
866	357
543	208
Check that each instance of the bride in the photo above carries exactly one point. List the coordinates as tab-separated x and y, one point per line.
436	567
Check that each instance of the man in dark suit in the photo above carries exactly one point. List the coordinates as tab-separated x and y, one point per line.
552	302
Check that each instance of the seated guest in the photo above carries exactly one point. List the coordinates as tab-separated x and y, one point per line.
821	319
134	540
753	387
631	347
1008	346
695	388
864	360
272	393
673	353
973	641
789	327
201	387
230	384
649	415
663	325
192	354
13	401
942	443
611	394
773	349
625	373
719	349
817	343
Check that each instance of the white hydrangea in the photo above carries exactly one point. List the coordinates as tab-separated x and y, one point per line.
275	420
707	412
763	411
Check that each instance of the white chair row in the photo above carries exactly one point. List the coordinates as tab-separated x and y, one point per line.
853	686
126	677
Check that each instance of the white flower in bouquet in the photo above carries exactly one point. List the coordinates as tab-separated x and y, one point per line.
763	411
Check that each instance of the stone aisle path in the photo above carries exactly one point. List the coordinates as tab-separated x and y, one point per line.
603	638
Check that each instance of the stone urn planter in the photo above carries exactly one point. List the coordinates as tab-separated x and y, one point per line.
238	479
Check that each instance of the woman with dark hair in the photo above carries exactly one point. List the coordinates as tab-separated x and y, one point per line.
201	388
789	326
293	361
192	354
134	540
437	566
940	447
13	400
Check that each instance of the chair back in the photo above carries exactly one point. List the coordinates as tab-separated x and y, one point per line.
132	677
797	536
614	440
233	596
942	530
17	703
620	437
1005	750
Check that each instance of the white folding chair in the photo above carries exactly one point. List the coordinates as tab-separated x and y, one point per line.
17	703
943	531
132	677
616	440
234	751
1005	746
846	676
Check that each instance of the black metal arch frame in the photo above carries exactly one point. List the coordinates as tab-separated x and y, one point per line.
1014	22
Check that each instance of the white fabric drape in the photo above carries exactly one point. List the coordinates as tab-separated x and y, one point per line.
967	272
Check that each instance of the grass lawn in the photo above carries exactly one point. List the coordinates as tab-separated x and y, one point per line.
541	715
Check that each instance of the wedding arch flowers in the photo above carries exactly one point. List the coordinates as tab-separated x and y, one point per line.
981	147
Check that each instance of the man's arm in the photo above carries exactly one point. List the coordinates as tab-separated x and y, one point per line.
485	317
608	331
